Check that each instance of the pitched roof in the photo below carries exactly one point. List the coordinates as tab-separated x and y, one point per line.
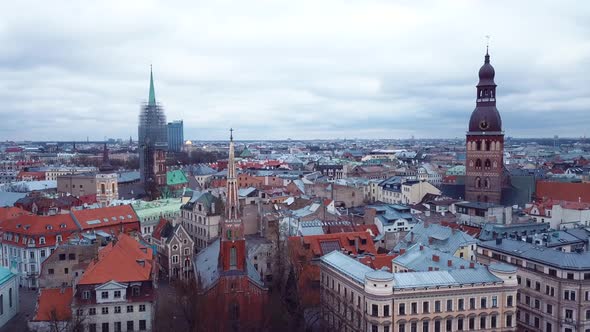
437	237
38	225
54	304
175	177
120	261
11	212
105	216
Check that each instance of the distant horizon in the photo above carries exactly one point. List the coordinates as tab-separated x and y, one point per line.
299	69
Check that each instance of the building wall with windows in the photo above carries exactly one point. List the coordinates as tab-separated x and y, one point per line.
554	286
355	297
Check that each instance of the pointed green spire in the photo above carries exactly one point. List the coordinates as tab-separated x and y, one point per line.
152	98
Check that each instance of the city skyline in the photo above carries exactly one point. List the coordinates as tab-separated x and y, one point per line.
355	70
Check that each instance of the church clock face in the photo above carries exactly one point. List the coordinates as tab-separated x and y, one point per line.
483	125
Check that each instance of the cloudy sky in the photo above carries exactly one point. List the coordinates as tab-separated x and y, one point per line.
300	69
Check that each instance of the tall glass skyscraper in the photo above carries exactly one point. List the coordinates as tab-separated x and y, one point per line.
175	135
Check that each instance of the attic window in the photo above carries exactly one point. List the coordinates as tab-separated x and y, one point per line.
49	227
62	226
122	218
114	218
129	216
106	219
18	225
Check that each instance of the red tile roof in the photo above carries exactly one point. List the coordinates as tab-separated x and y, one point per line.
11	212
565	191
124	261
371	229
379	261
54	304
33	227
105	217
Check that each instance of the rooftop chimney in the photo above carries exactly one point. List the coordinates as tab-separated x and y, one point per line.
421	247
449	263
402	251
472	265
435	258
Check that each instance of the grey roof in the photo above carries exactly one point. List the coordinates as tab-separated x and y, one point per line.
128	176
390	213
245	192
357	271
206	265
420	258
444	278
200	170
477	205
490	231
9	198
347	265
540	254
437	237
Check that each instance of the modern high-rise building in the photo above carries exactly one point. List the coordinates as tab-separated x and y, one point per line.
153	141
485	142
175	135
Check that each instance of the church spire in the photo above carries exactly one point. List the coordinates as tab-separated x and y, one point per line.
152	97
232	183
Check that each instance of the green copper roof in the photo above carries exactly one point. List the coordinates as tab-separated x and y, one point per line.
175	177
152	98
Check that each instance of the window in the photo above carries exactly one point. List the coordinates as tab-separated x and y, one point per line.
494	301
43	253
402	327
374	328
175	259
472	303
10	298
62	257
460	324
537	304
484	302
402	308
104	295
135	291
425	326
549	309
509	321
569	313
142	324
509	301
142	307
118	327
472	323
425	306
117	294
449	325
386	310
50	271
233	258
129	309
548	327
414	308
118	309
569	295
587	314
494	321
2	304
129	325
437	306
461	304
66	270
72	257
449	305
374	310
482	322
92	311
86	295
105	310
92	327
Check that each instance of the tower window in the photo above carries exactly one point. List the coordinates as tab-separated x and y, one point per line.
478	163
233	258
488	164
488	145
477	182
487	183
478	146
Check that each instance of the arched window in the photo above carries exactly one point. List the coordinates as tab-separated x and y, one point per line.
488	145
486	182
487	164
471	163
478	163
477	182
103	188
233	257
113	187
478	145
495	164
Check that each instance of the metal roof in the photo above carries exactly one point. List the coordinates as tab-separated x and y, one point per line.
543	255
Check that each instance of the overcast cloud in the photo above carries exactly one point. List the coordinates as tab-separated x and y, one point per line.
299	69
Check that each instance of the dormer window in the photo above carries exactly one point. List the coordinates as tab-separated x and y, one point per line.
62	226
135	291
49	227
58	238
85	295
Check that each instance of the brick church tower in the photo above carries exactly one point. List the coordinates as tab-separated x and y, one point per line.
485	142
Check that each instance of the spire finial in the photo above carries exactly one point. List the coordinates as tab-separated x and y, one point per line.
152	96
487	58
231	134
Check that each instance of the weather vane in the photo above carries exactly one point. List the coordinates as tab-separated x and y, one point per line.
487	41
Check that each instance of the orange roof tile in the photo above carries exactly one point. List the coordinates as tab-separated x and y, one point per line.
11	212
31	224
54	304
120	262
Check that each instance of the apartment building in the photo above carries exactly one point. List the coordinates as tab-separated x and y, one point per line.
554	286
356	297
201	216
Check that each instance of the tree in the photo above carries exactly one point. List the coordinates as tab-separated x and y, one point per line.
57	323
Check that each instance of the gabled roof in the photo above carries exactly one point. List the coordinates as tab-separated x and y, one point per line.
125	260
437	237
54	304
